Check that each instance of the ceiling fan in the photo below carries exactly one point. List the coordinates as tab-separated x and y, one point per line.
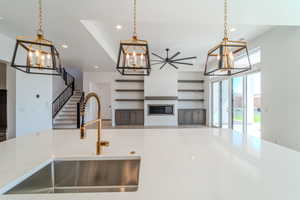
171	60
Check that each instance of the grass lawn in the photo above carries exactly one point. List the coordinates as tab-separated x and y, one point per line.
238	116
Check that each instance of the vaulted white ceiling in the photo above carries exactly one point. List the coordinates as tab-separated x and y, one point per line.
190	26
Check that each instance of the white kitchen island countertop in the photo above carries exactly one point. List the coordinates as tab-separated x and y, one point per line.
176	164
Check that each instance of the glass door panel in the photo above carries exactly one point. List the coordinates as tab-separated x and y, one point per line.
225	104
216	104
238	104
254	104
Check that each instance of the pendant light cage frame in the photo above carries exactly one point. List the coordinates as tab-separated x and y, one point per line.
127	49
224	59
133	57
218	62
36	55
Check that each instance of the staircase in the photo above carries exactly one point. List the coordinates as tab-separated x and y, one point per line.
67	116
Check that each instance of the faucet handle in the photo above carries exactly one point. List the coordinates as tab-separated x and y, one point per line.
104	143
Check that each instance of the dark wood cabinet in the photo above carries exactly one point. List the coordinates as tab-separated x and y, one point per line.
191	116
129	117
3	114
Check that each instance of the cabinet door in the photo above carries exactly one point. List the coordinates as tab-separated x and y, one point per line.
140	117
202	117
191	117
132	117
196	117
129	117
188	117
122	117
180	117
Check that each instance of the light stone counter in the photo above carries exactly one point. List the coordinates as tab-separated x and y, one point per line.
176	164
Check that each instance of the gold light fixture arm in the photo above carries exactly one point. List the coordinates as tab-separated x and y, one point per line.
40	32
134	20
225	19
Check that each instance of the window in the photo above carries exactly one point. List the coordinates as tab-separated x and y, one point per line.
238	104
254	55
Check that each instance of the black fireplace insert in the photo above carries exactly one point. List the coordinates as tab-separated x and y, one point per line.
160	109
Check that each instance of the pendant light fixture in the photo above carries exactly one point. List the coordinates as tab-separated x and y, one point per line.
133	56
37	55
223	60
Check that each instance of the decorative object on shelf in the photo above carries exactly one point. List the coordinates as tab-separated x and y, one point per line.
171	60
133	56
222	60
37	55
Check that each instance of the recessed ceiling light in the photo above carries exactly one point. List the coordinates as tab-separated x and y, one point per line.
119	27
232	29
64	46
96	67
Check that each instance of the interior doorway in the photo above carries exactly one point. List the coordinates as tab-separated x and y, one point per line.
3	102
103	90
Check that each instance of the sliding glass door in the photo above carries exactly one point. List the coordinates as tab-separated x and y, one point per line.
254	104
225	103
238	104
216	115
220	104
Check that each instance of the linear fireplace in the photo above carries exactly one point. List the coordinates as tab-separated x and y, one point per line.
160	109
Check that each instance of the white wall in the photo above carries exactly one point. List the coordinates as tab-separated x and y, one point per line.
161	83
58	85
94	79
280	66
33	114
11	102
26	113
78	75
6	49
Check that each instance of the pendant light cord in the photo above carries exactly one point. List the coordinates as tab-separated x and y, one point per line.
40	19
225	19
134	19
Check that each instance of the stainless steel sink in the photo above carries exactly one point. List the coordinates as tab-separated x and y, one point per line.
78	176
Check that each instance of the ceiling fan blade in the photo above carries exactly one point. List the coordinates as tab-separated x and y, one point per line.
157	56
182	63
162	65
187	58
157	60
156	63
176	54
173	65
